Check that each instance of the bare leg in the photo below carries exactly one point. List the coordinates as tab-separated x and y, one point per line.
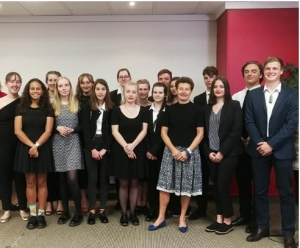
185	202
31	188
42	190
164	199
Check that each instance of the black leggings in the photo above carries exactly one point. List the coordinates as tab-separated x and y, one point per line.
69	180
7	175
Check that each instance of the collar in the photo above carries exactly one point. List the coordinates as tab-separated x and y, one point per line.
278	88
255	87
153	108
119	91
103	107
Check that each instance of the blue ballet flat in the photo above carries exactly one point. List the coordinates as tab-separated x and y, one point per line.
183	229
153	228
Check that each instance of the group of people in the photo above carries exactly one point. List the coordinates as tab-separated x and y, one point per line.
162	149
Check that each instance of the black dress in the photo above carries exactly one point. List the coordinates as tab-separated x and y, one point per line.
129	128
33	125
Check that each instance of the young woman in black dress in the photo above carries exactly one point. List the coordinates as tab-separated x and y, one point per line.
98	141
33	127
129	127
155	146
83	94
8	145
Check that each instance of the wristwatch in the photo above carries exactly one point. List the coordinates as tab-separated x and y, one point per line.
37	144
189	151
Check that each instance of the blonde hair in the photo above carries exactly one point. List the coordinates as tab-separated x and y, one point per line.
130	83
73	104
143	81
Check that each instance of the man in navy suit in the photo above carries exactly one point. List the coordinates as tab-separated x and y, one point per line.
271	121
209	74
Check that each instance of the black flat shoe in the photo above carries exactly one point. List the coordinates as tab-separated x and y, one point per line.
151	216
138	210
103	218
196	215
64	218
41	222
145	210
76	220
134	220
91	219
124	220
32	223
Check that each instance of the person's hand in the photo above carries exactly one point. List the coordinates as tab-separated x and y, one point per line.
183	156
176	154
219	157
132	155
212	156
150	156
63	131
95	154
264	149
245	143
102	153
129	148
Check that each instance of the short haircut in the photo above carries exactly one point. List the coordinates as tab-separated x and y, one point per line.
163	71
227	95
143	81
11	74
259	65
123	69
186	80
274	59
210	71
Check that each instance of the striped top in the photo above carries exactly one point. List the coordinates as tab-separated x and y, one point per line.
213	135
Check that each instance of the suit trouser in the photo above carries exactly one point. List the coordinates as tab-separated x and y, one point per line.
261	177
97	172
221	175
153	193
244	178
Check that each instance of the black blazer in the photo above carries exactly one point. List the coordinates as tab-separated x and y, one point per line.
90	125
116	98
154	142
230	129
200	99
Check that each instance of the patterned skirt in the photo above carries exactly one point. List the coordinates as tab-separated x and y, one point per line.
181	178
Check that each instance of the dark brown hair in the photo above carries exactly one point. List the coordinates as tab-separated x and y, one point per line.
186	80
259	65
227	95
163	71
44	103
170	96
123	69
107	100
210	71
79	93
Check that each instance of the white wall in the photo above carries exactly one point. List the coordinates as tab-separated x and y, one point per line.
31	48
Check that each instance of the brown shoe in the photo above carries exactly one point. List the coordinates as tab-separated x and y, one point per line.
289	242
258	235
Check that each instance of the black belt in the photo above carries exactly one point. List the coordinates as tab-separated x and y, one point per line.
97	136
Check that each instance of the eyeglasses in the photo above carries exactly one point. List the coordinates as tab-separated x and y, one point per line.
124	77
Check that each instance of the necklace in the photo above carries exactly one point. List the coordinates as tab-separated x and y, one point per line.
130	112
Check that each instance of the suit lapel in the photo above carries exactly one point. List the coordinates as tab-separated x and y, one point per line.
151	120
280	99
224	114
262	99
207	116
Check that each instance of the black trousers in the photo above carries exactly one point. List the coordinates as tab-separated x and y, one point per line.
221	175
244	180
153	193
97	172
201	200
53	187
7	175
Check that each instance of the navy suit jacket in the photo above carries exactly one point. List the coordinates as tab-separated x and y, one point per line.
282	125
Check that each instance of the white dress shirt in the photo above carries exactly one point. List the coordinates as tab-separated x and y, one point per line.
240	96
100	119
154	114
270	105
207	96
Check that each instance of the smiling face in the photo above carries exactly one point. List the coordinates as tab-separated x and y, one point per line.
63	87
123	77
158	94
173	88
86	86
51	81
273	71
164	78
100	92
130	93
252	75
143	91
35	91
184	92
219	90
14	84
